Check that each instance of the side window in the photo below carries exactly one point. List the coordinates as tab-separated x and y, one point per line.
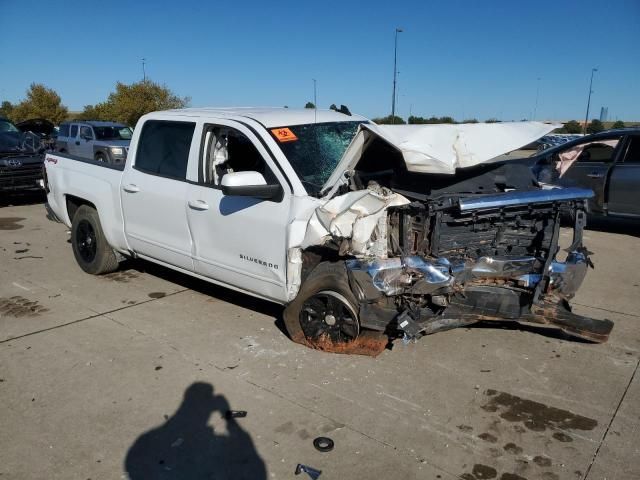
633	152
64	130
600	151
74	131
228	150
163	148
85	132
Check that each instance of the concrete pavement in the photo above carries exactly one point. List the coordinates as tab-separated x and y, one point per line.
135	370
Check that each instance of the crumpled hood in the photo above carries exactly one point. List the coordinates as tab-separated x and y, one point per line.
442	148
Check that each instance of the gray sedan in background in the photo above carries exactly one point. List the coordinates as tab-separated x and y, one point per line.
607	162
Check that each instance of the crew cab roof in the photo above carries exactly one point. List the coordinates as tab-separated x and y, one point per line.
271	117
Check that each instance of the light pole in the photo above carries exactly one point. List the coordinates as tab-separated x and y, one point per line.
144	72
395	73
315	96
535	108
586	118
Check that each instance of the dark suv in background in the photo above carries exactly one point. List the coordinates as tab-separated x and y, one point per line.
101	141
21	157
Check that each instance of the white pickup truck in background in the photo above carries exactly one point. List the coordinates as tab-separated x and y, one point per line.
365	232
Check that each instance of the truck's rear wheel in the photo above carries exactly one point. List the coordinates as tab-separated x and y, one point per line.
90	247
324	314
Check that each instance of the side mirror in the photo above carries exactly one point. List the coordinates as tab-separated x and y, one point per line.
249	184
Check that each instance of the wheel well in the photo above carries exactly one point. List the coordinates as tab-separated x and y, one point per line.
100	152
74	203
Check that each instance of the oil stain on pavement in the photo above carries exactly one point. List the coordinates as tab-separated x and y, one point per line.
527	416
11	223
20	307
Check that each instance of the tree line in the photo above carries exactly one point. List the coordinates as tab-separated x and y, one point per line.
129	102
126	104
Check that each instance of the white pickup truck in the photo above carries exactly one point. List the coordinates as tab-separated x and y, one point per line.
365	232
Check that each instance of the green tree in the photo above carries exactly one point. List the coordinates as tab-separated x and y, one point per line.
492	120
471	120
595	126
413	120
616	124
129	102
99	111
6	109
333	107
40	102
310	105
390	120
572	127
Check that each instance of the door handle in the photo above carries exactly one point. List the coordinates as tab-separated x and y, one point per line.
131	188
198	205
595	175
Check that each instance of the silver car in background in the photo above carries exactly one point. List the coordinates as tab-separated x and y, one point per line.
102	141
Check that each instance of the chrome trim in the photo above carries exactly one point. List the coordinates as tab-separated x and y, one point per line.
526	197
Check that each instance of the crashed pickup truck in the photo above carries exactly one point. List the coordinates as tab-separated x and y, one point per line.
365	232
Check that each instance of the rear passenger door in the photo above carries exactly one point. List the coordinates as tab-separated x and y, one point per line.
154	191
624	184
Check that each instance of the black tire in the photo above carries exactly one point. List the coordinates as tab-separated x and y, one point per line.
90	247
101	157
325	294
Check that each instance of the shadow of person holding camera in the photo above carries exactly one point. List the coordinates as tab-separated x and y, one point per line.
186	447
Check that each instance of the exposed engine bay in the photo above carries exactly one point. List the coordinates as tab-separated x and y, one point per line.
428	252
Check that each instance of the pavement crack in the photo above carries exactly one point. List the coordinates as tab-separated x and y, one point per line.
90	317
613	417
607	310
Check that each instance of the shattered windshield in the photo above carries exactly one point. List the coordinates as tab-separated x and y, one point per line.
113	133
315	149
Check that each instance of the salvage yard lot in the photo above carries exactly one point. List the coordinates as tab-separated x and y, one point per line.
128	371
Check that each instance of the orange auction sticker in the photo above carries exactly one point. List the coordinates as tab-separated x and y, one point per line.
284	135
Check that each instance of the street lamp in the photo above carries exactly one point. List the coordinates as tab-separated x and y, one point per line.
395	74
535	108
586	118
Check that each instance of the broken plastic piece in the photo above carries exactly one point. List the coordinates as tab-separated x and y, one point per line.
312	472
408	325
235	414
323	444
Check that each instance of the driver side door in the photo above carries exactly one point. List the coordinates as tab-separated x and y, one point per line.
238	240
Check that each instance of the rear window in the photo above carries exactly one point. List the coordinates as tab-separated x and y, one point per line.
74	131
64	130
163	148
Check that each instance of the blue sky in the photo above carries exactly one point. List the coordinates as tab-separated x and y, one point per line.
460	58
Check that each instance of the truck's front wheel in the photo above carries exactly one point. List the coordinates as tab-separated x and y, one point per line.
324	314
90	247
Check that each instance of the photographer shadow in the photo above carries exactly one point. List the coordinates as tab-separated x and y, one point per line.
186	447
